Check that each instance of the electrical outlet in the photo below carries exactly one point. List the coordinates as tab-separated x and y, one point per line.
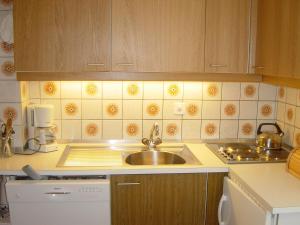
179	108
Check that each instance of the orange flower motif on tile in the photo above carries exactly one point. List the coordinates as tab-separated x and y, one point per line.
212	90
50	88
173	90
153	109
10	113
247	129
250	90
172	129
210	129
6	2
266	110
91	129
281	92
290	114
8	68
6	47
71	109
133	89
192	109
112	109
91	89
132	129
297	139
230	110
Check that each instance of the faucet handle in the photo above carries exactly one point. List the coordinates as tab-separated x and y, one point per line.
157	141
146	141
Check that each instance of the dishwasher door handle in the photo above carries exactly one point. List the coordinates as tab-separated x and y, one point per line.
57	193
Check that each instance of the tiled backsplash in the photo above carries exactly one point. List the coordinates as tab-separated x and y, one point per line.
288	114
127	110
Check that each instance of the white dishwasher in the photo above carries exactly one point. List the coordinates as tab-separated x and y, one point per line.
59	202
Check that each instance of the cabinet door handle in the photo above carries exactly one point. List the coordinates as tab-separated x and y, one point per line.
128	183
258	67
217	65
95	64
125	64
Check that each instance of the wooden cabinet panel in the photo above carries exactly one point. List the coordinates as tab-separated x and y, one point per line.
227	36
278	40
63	36
167	199
214	194
158	35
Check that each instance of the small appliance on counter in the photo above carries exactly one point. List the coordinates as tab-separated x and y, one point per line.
40	128
267	149
293	163
6	138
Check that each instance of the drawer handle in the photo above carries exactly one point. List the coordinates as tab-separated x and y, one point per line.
125	64
95	64
258	67
129	184
217	65
57	193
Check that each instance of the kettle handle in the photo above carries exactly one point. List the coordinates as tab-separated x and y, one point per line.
279	131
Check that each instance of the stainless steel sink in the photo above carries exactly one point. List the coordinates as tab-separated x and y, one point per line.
109	155
154	158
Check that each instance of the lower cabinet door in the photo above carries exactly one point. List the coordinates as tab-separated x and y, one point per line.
164	199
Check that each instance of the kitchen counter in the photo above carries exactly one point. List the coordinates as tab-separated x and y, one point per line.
269	183
46	164
274	188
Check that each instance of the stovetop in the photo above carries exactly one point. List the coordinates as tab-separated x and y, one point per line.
247	153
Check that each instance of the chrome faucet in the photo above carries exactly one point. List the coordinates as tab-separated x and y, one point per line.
154	139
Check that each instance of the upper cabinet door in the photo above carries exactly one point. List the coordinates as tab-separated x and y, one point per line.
62	35
227	36
158	35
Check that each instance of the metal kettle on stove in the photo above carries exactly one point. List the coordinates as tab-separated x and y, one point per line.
269	140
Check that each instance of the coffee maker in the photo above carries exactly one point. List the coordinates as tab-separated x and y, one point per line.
40	128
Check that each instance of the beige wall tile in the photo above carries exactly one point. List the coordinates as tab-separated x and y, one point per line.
193	90
132	129
211	110
132	109
132	90
152	109
193	110
91	89
231	91
212	91
191	129
112	90
153	90
112	109
91	109
71	129
71	109
112	129
172	129
92	130
210	129
173	90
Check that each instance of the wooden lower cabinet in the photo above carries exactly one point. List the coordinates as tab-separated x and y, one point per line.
164	199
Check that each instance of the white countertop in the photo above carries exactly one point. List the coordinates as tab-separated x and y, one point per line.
46	164
276	189
269	183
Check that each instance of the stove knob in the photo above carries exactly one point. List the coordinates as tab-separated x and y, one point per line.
221	149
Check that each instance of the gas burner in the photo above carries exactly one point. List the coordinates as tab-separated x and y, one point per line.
247	153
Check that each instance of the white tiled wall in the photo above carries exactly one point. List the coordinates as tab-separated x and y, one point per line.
126	110
288	114
13	94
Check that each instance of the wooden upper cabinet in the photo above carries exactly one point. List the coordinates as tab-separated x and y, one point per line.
62	35
227	36
158	35
278	38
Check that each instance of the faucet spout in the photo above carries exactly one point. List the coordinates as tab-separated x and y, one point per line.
154	139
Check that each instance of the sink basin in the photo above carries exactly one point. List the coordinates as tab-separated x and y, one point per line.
154	158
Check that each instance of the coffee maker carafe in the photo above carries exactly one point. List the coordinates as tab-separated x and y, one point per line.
40	128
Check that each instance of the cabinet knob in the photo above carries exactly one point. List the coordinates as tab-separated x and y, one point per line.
217	65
